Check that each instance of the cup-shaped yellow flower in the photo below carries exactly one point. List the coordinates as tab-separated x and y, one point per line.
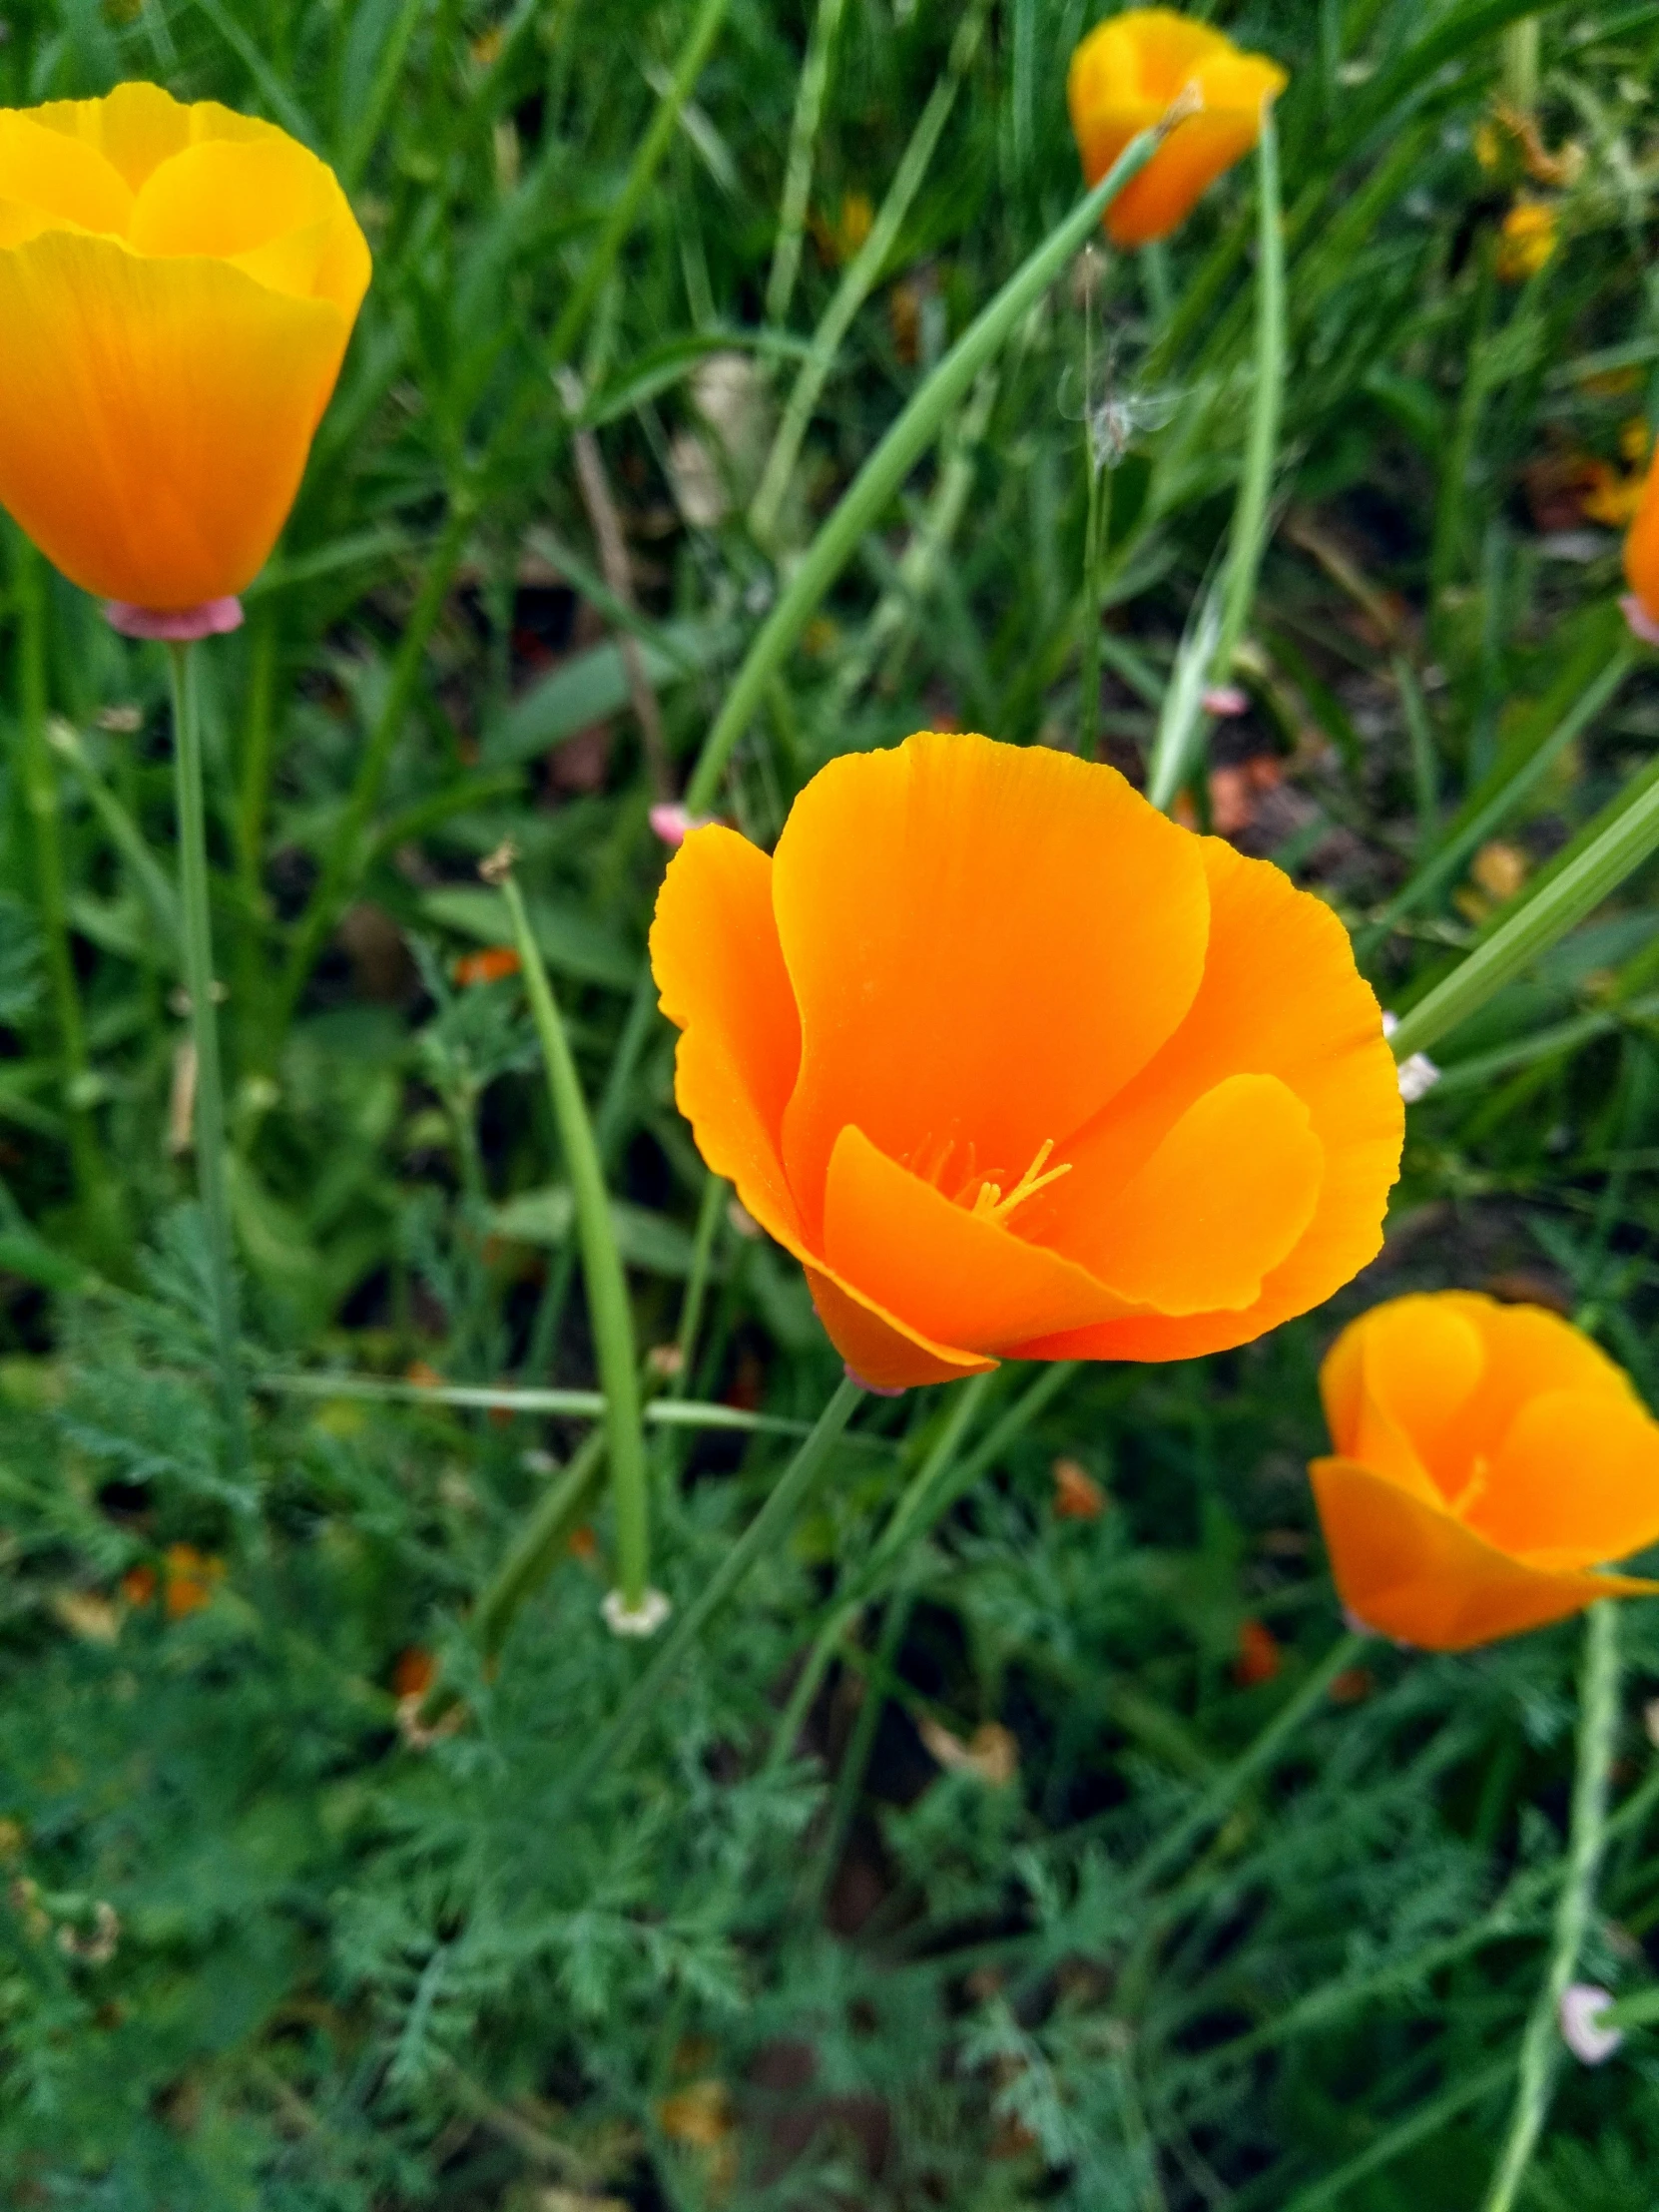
1489	1459
177	288
1016	1066
1127	75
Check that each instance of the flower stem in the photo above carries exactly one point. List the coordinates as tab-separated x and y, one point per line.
210	1090
543	1537
608	1309
1598	1713
1094	539
783	1504
40	788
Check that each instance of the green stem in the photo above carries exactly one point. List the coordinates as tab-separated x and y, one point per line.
341	861
253	791
609	1312
910	1514
1230	1785
1094	537
1453	503
798	176
197	922
1520	64
860	277
1598	1714
716	1192
642	170
882	475
769	1526
1629	837
540	1544
39	786
1249	516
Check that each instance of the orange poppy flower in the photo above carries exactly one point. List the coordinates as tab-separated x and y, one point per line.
1014	1065
1641	560
1489	1458
1127	74
176	286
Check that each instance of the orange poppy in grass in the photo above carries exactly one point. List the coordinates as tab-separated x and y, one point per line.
1489	1459
176	286
1127	74
1014	1065
1641	560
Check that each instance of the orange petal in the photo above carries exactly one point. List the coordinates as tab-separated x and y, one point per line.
1423	1359
956	1278
266	205
55	179
1281	996
1222	1200
157	415
986	943
1182	171
1529	1351
1641	546
1576	1482
1409	1570
714	954
876	1347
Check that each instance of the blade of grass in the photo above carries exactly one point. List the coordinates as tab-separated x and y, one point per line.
798	175
878	480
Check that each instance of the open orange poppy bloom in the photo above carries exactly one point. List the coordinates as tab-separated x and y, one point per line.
176	286
1489	1458
1014	1065
1641	560
1125	77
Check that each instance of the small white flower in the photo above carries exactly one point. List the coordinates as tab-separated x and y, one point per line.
642	1620
1582	2005
1418	1073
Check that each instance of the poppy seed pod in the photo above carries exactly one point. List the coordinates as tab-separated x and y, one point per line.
1015	1065
177	288
1489	1459
1125	77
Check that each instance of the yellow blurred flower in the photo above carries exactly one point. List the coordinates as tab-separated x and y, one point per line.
177	288
840	236
1528	240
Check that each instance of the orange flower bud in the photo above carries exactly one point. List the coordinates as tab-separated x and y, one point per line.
1642	557
1016	1066
492	965
177	287
1488	1458
1125	77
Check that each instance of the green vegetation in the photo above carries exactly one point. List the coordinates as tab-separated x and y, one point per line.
996	1842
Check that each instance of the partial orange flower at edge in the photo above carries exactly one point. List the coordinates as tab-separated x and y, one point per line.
988	1045
1488	1460
1124	78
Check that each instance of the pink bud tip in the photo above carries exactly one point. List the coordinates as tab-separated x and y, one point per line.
674	823
874	1388
173	625
1582	2005
1642	623
1226	698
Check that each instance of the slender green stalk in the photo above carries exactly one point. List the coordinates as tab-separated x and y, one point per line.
1230	1785
1565	901
1181	726
1453	502
1249	535
197	921
708	1215
1598	1716
870	491
40	788
860	277
122	832
253	791
609	1312
341	862
1441	867
786	1496
910	1516
642	170
1416	2127
1096	529
1425	766
1520	64
797	176
540	1543
663	1412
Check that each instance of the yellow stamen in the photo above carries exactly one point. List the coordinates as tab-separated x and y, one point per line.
990	1204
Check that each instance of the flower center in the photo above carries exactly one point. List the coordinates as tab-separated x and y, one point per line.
990	1204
